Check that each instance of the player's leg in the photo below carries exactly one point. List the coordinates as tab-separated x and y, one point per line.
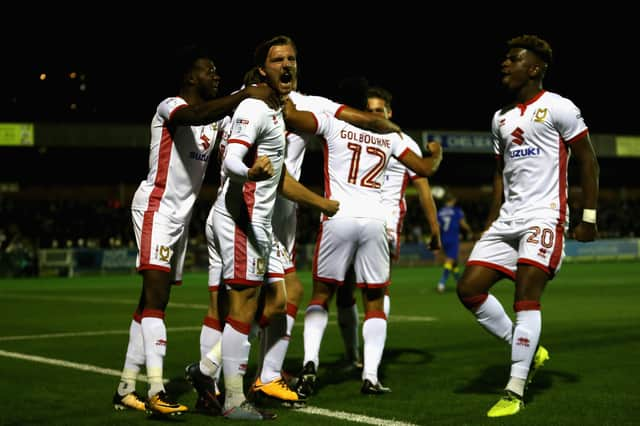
126	395
491	260
334	252
348	320
163	245
371	266
539	258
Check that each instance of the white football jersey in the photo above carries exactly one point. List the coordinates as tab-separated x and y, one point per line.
534	139
178	160
396	178
284	220
262	130
356	161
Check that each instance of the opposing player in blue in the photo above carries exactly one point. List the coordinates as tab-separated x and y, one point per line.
451	220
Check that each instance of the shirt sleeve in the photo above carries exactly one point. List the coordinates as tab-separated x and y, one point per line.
169	106
568	120
247	122
495	134
233	165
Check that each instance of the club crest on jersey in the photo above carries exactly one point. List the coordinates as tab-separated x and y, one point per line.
164	253
259	266
540	115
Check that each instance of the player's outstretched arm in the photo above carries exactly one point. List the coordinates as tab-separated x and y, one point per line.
367	120
423	166
215	109
295	191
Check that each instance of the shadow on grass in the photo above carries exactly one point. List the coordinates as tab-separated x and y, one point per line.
494	378
342	370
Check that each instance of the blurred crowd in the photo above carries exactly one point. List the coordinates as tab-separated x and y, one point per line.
27	225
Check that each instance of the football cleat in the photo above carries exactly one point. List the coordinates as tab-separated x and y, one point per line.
160	404
207	402
278	389
369	388
247	411
441	288
508	405
130	401
306	380
541	356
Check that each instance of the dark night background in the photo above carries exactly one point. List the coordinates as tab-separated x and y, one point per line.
443	68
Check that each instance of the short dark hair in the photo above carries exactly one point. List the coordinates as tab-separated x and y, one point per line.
186	57
379	92
534	44
352	91
261	52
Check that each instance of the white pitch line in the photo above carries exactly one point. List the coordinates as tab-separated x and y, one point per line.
356	418
67	364
342	415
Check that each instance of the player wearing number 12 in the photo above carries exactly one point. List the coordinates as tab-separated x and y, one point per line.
355	162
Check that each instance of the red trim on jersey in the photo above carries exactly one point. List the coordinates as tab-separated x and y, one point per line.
563	164
331	281
212	323
149	267
526	305
178	108
316	252
374	314
315	120
239	326
403	153
534	263
145	239
290	270
275	275
159	185
213	287
249	187
239	255
556	255
137	316
152	313
327	182
245	143
493	266
578	136
241	281
522	107
164	157
373	285
342	107
249	196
